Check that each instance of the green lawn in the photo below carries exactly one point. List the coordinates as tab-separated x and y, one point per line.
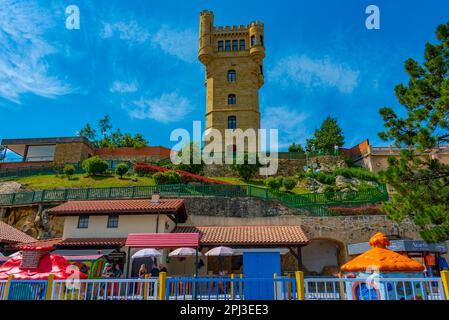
40	182
253	182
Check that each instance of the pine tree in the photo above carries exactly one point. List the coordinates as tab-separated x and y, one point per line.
419	179
327	136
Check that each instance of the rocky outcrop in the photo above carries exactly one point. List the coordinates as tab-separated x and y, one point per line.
9	187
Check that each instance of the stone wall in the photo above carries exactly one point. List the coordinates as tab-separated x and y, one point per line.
72	152
286	167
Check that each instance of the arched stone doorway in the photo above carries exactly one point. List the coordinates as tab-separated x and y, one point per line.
323	257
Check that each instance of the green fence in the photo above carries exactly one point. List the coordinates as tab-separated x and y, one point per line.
309	201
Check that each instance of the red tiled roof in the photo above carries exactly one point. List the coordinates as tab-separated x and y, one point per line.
92	242
163	240
9	234
46	242
249	235
118	206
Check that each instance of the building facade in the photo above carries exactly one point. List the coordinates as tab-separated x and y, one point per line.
233	57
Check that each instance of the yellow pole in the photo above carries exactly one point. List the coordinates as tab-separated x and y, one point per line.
299	275
8	284
232	286
342	292
162	284
275	286
145	288
50	280
445	280
289	287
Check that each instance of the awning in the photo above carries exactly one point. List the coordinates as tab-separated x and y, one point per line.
84	258
163	240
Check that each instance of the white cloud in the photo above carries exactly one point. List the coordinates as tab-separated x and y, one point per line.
124	87
169	107
179	43
289	123
24	50
314	73
128	31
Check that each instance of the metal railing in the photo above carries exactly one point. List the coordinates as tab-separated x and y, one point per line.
230	288
309	200
27	290
374	289
3	284
105	289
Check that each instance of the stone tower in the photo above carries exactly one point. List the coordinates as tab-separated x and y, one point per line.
233	57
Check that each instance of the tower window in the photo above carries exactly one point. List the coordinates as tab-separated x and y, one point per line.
83	222
261	40
242	45
261	69
253	41
235	45
228	45
220	45
232	100
232	76
232	122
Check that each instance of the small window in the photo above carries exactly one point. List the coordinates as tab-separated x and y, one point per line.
235	45
220	45
261	69
232	76
253	41
232	99
242	45
83	222
228	45
232	122
261	40
113	221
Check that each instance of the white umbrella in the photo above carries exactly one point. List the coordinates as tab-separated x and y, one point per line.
147	253
184	252
220	252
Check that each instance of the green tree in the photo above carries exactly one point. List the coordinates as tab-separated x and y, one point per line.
121	169
105	126
88	133
196	168
244	168
274	183
421	183
327	136
296	148
95	166
69	170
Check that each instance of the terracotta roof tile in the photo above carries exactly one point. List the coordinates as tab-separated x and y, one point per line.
9	234
248	235
46	242
98	242
117	206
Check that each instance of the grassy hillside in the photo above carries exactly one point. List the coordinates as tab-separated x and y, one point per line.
79	181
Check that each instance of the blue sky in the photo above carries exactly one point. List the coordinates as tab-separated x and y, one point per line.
136	61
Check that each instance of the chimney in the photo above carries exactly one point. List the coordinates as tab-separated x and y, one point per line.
155	197
31	256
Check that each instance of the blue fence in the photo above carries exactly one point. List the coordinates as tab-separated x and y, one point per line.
27	290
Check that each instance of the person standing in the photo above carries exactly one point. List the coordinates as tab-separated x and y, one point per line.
154	271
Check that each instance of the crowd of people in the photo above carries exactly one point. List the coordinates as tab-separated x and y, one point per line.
115	271
154	272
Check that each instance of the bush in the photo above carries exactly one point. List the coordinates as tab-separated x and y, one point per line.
245	170
289	183
359	173
69	170
274	183
322	177
142	171
169	177
95	166
121	169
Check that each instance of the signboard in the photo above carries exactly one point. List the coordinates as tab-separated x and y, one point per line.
401	245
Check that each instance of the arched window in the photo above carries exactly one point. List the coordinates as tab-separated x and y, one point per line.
232	122
232	76
232	99
253	41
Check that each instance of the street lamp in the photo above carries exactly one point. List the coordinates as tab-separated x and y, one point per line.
313	169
